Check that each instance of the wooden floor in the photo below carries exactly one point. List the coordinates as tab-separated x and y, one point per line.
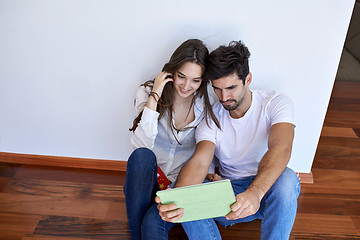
68	204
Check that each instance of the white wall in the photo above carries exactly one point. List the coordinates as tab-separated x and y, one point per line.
69	69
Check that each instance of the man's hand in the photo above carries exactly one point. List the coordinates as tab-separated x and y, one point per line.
169	213
247	203
213	177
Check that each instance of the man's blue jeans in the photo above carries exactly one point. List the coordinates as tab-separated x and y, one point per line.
277	209
143	216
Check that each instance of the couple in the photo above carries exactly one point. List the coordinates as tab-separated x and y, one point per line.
249	131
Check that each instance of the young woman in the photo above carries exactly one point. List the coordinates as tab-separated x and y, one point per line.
168	110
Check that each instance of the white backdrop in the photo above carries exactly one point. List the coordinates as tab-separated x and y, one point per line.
69	69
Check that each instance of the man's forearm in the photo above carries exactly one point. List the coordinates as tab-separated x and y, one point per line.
190	175
270	168
275	159
196	169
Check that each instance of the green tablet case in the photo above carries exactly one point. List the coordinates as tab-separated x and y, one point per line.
201	201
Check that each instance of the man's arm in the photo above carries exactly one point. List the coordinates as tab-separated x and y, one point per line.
270	168
193	172
196	169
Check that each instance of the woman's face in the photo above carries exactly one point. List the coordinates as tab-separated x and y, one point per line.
187	79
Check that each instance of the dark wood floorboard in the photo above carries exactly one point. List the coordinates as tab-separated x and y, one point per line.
9	170
357	131
70	174
82	227
40	202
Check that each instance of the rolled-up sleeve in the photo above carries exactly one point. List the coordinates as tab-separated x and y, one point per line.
147	129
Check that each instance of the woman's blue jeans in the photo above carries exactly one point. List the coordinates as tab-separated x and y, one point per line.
143	216
277	209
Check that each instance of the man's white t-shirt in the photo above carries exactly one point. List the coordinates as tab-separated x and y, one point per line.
241	143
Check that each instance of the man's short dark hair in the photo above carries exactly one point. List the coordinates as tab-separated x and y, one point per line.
226	60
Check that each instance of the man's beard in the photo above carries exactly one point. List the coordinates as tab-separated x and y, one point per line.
231	108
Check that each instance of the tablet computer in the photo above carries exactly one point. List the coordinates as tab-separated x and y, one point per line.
201	201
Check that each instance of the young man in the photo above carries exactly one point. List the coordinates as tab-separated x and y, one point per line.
253	147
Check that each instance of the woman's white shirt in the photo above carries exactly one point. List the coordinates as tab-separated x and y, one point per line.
157	135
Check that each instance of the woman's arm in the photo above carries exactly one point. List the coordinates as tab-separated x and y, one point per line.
156	92
146	101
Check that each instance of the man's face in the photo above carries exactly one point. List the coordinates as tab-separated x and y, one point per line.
230	90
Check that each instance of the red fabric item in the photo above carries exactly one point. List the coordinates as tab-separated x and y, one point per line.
164	183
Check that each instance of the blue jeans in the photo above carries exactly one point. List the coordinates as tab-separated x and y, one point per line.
143	216
277	208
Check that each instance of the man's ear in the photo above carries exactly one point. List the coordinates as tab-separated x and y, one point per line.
248	79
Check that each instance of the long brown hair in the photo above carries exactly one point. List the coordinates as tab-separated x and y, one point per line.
192	50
